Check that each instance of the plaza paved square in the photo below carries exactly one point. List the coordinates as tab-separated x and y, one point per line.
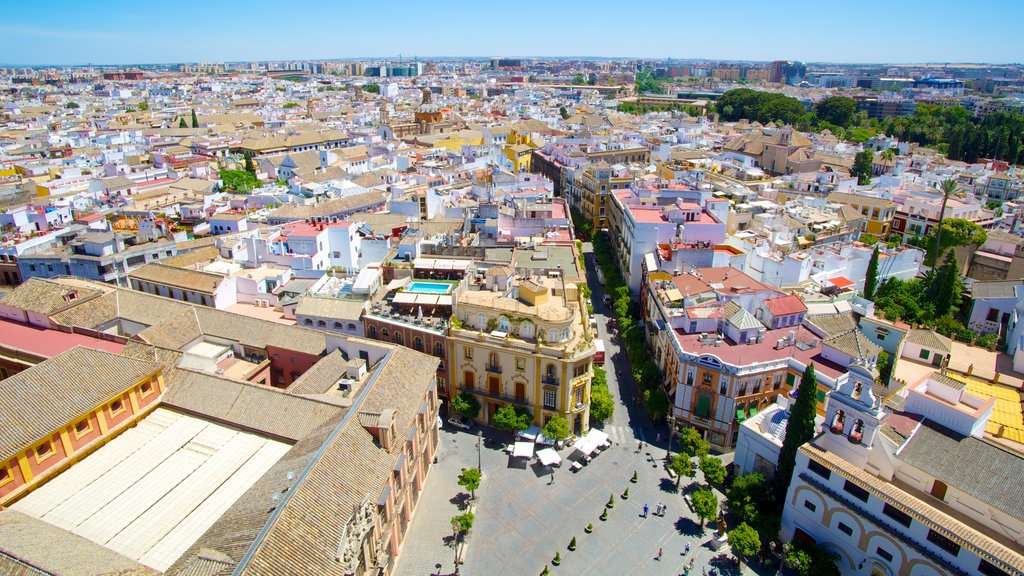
522	519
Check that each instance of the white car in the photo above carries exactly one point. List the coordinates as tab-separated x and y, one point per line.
460	422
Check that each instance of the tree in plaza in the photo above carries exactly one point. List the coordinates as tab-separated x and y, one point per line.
871	278
462	523
705	504
195	119
556	428
680	465
745	541
949	289
746	495
862	166
602	406
799	430
808	559
713	469
466	405
470	480
692	444
512	418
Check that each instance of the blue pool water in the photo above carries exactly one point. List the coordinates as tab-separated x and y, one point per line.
420	287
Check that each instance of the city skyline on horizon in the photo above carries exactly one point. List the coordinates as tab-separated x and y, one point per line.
881	33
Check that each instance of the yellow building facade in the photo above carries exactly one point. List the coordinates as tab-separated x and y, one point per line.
535	351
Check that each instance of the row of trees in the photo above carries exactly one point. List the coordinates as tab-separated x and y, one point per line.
960	134
510	417
627	313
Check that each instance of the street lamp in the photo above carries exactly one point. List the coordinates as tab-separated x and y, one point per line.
479	449
671	431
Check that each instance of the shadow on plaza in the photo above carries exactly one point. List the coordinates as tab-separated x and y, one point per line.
687	527
460	500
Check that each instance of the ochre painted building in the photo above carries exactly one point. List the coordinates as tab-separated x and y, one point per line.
59	411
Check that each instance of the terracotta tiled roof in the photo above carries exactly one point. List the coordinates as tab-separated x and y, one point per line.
49	395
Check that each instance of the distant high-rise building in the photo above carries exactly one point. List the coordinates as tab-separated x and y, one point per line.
787	72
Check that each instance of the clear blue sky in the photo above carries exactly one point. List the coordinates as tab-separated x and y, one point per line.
141	31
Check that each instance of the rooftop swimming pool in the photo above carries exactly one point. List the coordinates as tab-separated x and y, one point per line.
428	287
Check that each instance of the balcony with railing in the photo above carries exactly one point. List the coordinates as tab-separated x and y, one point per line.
493	368
549	380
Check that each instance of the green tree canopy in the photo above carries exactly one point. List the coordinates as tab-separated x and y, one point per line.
681	465
470	480
466	405
862	166
563	112
809	559
713	469
744	540
143	106
238	180
705	505
760	106
837	110
557	428
746	494
288	105
71	105
512	418
602	405
799	430
463	522
372	87
195	119
182	123
692	444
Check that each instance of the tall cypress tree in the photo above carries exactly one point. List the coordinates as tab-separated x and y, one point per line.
799	430
195	120
182	124
871	278
950	289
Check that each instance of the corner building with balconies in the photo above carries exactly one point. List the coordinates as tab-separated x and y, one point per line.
524	340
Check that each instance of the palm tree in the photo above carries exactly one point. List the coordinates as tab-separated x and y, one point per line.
947	187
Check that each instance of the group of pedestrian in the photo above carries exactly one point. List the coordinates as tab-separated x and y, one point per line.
659	510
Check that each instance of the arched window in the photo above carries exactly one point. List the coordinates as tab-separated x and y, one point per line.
308	322
439	349
417	343
321	324
565	334
551	374
552	335
373	331
838	422
857	432
399	339
503	323
481	321
526	329
337	325
351	326
384	333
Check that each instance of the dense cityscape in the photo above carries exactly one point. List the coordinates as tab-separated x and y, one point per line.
512	315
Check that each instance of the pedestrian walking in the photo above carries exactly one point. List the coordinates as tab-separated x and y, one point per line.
645	510
660	550
659	436
639	447
552	480
660	508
